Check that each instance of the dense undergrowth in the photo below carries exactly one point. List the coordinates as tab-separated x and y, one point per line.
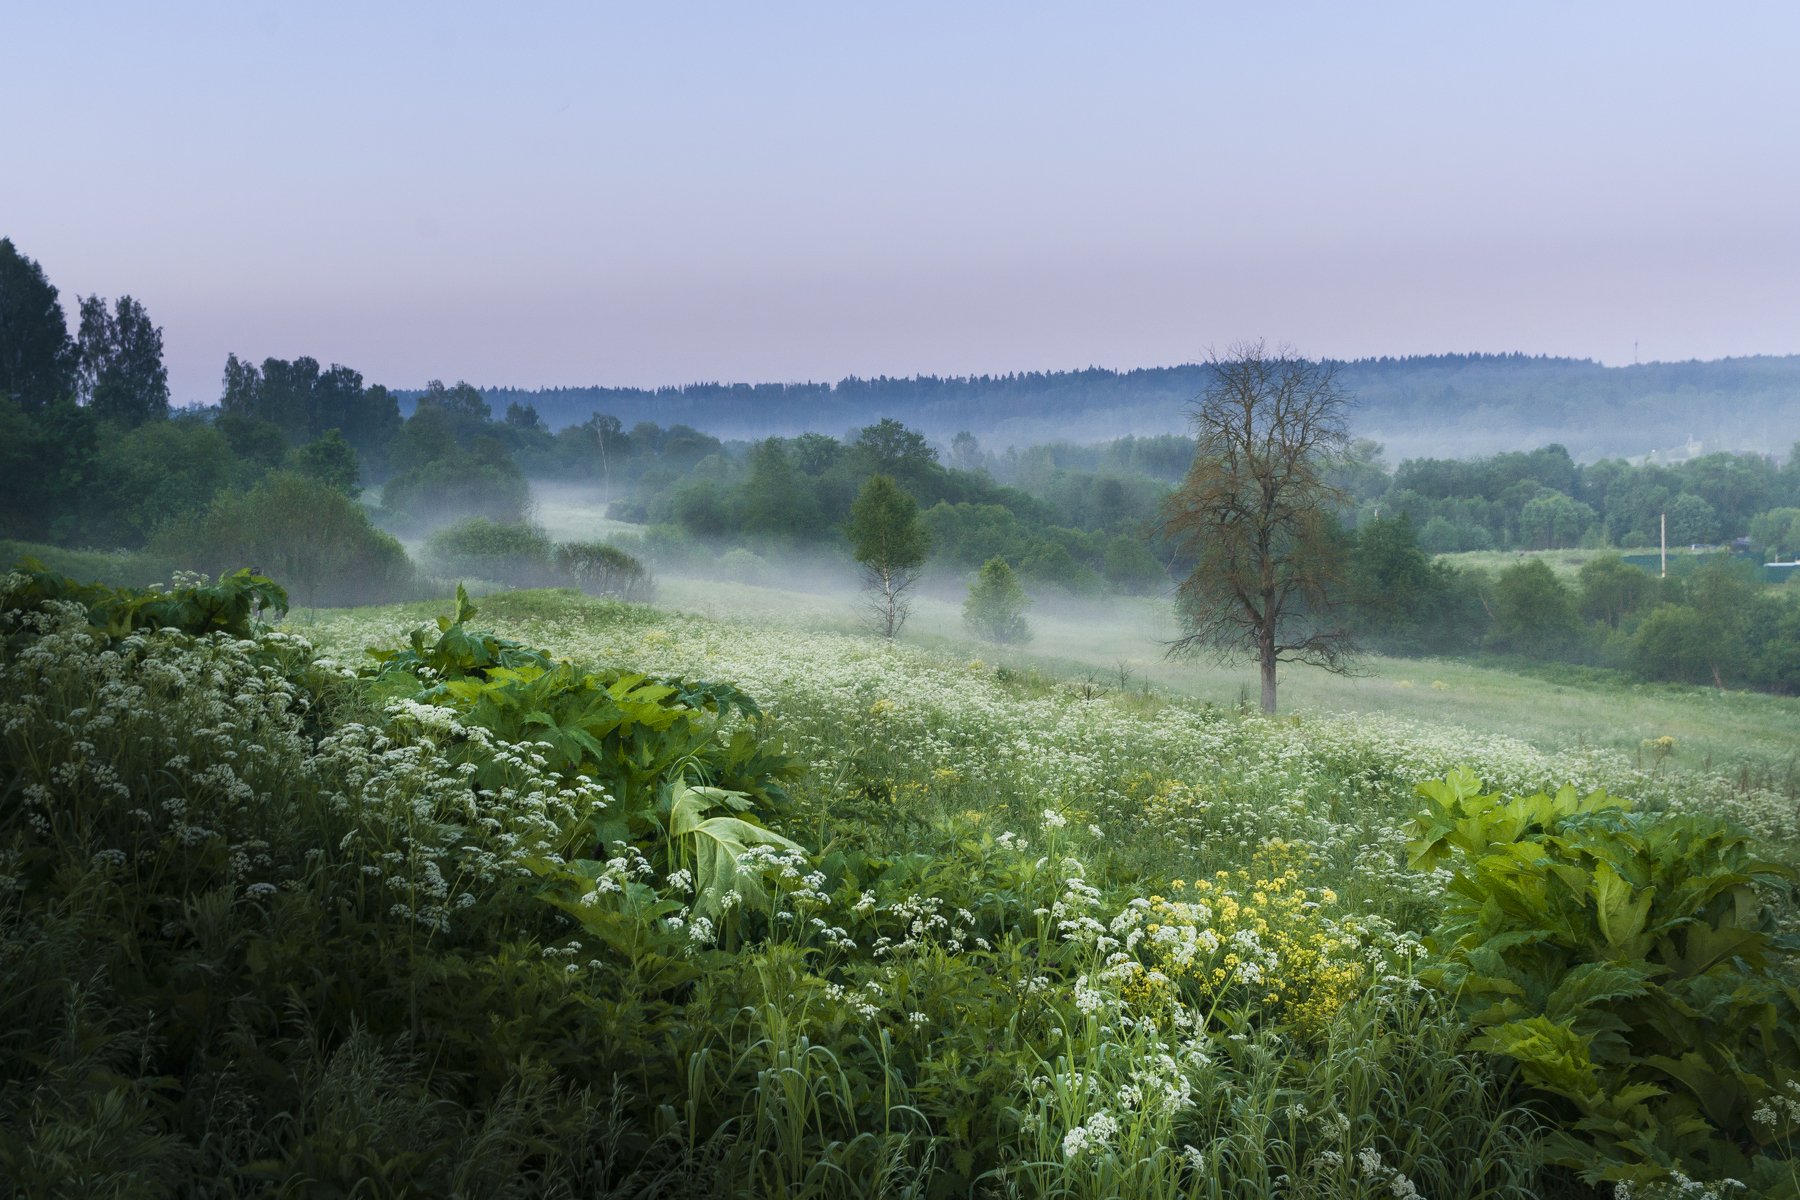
686	908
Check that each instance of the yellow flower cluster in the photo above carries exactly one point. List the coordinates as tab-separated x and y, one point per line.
1164	800
1253	937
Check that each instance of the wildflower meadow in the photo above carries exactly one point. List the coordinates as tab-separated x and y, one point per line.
550	895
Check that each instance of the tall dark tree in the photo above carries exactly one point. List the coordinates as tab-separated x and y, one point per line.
775	501
461	401
286	394
890	448
1256	515
37	357
242	392
525	416
121	375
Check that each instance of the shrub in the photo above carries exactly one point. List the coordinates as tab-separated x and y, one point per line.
603	570
1676	643
1534	611
299	530
745	566
995	609
1628	964
242	938
514	553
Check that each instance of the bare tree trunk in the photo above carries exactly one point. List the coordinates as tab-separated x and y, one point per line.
1266	655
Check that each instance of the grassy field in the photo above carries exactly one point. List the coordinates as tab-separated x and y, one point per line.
828	916
1726	731
1566	563
1745	734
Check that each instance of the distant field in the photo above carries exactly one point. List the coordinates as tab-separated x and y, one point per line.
1566	563
1745	733
576	513
1735	732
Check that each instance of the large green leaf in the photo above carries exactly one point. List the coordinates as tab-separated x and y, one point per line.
714	844
1621	912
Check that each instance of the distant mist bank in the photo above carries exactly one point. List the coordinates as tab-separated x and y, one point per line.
1449	405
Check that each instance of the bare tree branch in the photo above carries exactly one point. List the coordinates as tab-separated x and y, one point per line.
1255	515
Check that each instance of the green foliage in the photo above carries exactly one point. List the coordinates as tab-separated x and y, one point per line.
252	941
601	569
120	373
305	403
1676	643
521	555
642	739
37	357
1692	521
478	548
142	478
1534	611
1777	532
235	605
1405	602
120	568
484	482
885	534
995	608
890	543
331	460
1551	519
301	530
1612	589
1627	962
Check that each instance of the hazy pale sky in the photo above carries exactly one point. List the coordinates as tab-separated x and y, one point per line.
661	193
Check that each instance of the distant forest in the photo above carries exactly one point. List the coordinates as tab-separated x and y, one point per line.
1446	405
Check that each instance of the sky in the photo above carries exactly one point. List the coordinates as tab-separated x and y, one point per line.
647	194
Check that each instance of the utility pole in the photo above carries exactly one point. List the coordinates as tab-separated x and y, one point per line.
1664	520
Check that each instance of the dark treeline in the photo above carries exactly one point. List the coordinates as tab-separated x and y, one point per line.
1449	404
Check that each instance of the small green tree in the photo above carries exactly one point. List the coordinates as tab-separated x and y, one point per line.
1534	611
1612	589
1391	577
331	460
1676	643
995	609
1777	532
1692	521
890	544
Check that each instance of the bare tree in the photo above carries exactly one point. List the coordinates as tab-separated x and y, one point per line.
1255	515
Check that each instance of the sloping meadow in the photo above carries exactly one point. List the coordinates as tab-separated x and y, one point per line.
572	897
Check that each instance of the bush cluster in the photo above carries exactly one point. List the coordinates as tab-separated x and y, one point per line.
522	555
